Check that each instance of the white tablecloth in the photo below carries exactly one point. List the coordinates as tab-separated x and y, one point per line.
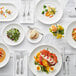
65	21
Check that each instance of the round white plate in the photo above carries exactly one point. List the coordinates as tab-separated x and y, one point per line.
35	40
69	38
6	60
32	66
13	9
43	18
9	41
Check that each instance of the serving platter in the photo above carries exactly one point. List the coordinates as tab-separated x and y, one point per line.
12	16
44	19
51	49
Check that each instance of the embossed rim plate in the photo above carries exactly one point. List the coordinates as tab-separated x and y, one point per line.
51	49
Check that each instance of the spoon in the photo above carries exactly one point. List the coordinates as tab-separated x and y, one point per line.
67	60
33	28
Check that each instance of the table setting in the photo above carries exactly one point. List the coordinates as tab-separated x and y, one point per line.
37	38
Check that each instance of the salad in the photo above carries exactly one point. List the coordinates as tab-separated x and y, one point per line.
13	34
45	61
4	11
74	34
57	30
48	11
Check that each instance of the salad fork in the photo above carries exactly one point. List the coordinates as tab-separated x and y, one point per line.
18	61
24	12
23	8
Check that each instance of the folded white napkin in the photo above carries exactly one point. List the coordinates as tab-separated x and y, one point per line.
25	5
25	66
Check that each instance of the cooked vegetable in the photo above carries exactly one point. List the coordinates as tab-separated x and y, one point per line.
43	12
49	11
45	60
4	12
44	6
57	31
13	34
46	10
74	34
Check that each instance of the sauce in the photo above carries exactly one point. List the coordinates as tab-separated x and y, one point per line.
2	55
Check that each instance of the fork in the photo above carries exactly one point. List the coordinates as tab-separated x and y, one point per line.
24	12
18	60
28	8
23	8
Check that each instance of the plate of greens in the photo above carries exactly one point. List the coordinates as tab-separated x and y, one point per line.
13	34
49	11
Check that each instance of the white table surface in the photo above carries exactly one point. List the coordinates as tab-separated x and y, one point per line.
65	21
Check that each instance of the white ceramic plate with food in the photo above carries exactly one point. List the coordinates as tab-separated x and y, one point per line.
69	37
4	55
19	37
8	12
48	19
51	49
38	39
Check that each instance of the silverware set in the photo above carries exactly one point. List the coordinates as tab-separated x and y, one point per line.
19	62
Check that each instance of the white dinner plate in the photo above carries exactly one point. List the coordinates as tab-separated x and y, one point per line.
13	9
9	41
32	66
35	40
43	18
6	60
69	38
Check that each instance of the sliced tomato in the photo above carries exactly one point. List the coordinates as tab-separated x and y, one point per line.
0	52
40	59
74	29
50	16
55	58
48	54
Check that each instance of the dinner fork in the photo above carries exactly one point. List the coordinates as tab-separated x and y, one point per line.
23	1
24	12
18	60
